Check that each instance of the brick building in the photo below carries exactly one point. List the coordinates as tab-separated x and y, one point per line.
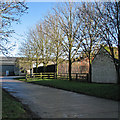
80	66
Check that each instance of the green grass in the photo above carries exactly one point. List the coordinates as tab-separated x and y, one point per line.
11	108
109	91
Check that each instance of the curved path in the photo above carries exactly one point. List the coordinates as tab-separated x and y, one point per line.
55	103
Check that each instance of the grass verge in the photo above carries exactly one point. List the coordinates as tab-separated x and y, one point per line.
12	108
108	91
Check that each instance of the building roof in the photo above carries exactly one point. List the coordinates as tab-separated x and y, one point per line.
7	60
107	53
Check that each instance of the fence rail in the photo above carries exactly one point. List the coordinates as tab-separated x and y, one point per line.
74	76
41	75
64	76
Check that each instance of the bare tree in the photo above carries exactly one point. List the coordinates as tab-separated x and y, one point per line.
56	37
69	24
35	43
23	64
102	23
109	15
45	45
10	11
27	55
37	46
90	32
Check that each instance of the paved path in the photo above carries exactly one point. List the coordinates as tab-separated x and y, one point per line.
54	103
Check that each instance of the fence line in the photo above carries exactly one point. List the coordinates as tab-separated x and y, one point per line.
75	76
64	76
41	75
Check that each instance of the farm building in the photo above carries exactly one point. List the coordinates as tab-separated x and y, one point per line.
8	66
81	66
103	68
79	70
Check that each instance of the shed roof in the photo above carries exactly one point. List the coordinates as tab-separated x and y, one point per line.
7	60
102	47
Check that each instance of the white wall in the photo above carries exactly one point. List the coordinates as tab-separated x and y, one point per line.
103	68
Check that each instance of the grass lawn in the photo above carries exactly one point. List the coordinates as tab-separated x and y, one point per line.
12	108
109	91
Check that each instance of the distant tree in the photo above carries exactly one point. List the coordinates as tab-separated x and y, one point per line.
70	25
101	26
10	11
45	45
23	64
56	37
90	32
108	14
109	24
37	46
35	43
27	56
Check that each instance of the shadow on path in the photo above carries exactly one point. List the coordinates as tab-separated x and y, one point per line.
49	102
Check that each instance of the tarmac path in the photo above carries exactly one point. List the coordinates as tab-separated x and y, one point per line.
49	102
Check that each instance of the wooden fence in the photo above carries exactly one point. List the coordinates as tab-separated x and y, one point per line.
41	75
64	76
74	76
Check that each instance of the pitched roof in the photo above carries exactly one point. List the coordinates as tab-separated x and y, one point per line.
7	60
102	47
115	50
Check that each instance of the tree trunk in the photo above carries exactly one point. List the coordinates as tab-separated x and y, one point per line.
118	71
30	72
26	76
57	63
70	62
36	67
70	68
44	68
89	76
56	70
118	20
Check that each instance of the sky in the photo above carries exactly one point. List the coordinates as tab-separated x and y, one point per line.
36	12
